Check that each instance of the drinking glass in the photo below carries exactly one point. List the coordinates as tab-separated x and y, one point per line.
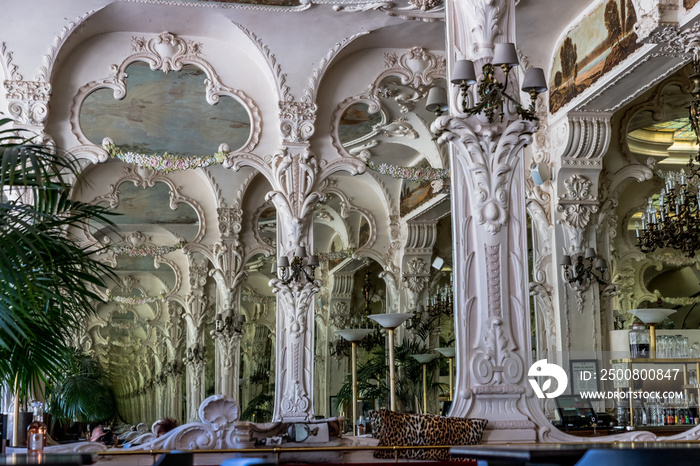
661	346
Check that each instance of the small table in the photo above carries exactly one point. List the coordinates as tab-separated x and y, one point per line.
583	454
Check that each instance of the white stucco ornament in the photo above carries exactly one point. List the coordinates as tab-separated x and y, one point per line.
219	411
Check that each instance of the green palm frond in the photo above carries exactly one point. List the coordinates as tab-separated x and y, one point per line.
47	280
83	393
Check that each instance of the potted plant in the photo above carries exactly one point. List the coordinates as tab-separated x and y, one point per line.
48	282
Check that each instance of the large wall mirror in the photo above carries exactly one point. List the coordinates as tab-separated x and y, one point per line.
385	243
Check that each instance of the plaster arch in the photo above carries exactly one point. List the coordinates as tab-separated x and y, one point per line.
79	58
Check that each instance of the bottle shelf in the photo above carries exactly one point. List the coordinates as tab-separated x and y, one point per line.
656	360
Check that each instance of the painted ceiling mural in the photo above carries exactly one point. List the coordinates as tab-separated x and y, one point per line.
602	40
145	209
164	112
357	123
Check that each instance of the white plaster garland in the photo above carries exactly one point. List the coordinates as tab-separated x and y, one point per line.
144	250
135	300
329	256
674	259
681	301
410	173
166	163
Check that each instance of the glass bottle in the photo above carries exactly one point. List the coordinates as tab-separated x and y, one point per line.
361	426
36	432
623	411
693	409
639	341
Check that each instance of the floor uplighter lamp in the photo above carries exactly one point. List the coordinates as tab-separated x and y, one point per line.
353	335
652	317
449	353
390	322
424	359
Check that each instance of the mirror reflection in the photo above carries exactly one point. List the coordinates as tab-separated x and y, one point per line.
369	266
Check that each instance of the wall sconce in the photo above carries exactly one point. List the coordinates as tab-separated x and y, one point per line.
297	270
583	269
437	100
229	323
194	354
492	93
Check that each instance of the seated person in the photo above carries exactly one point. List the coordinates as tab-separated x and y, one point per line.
99	434
163	426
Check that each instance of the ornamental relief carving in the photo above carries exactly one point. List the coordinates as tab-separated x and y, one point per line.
417	69
297	120
416	10
295	403
340	315
9	69
280	78
652	15
198	275
167	52
578	188
416	277
229	221
496	363
318	73
489	160
577	206
28	101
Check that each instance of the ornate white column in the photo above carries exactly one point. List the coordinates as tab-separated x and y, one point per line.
228	274
489	238
194	353
340	299
294	197
416	262
585	139
173	367
294	182
228	354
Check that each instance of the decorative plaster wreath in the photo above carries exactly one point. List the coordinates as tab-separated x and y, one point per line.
145	251
410	173
134	300
167	163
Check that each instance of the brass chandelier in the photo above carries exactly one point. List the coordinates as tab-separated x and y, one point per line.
674	221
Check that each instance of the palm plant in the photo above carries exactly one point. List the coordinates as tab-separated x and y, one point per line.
259	408
83	394
47	281
372	376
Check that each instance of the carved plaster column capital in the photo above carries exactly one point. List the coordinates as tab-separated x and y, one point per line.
297	121
28	103
230	219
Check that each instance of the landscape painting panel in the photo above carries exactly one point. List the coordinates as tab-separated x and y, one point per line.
602	40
